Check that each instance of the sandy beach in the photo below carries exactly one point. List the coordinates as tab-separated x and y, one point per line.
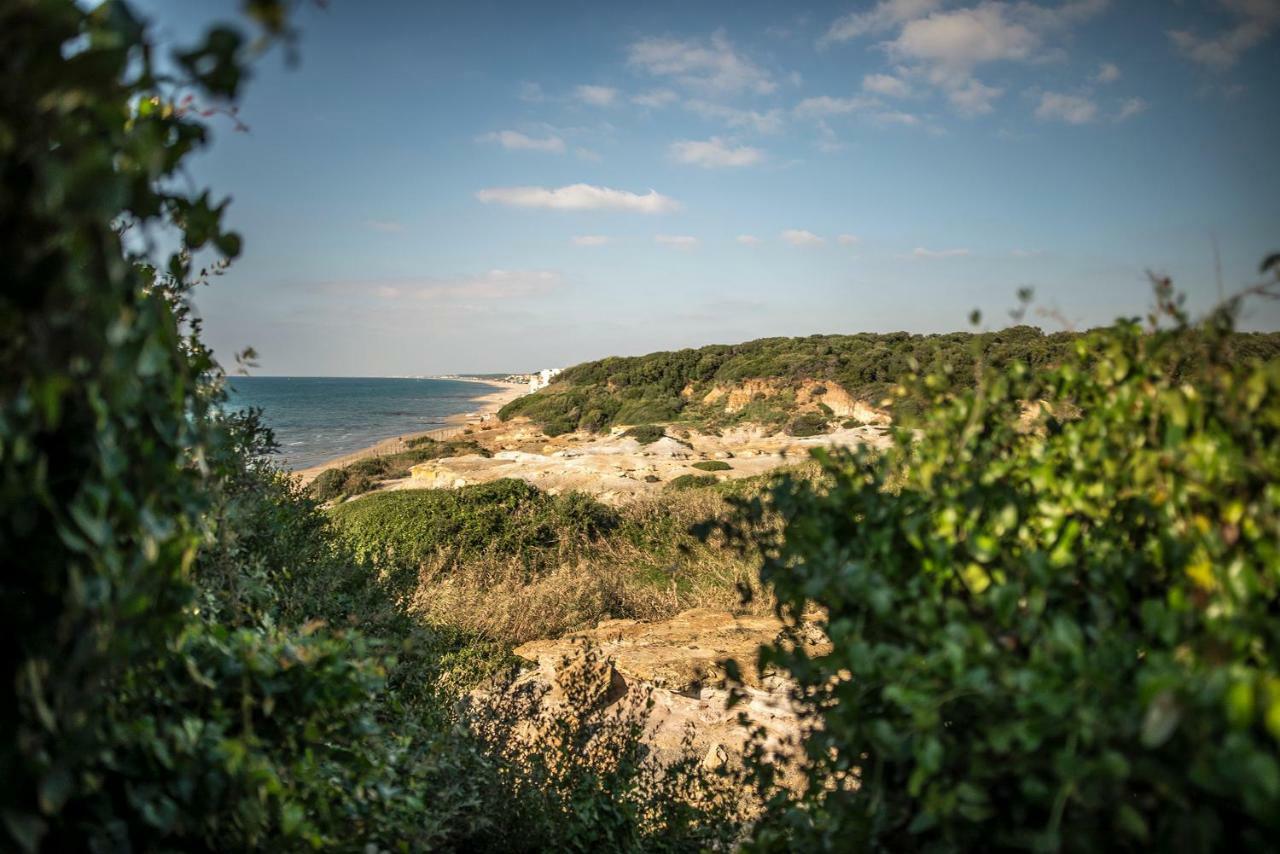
487	405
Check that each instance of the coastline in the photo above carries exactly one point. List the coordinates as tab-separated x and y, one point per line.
488	405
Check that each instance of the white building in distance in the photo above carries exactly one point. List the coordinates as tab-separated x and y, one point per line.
542	379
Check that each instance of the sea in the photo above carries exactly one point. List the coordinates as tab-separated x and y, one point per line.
317	419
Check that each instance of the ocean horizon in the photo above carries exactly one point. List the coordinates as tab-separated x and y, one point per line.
318	419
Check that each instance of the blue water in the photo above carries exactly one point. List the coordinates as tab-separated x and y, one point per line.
316	419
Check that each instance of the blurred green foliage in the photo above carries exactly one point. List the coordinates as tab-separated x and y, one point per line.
1053	607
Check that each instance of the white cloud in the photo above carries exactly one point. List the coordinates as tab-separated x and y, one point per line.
711	66
590	240
735	117
826	105
1026	253
1256	20
1131	108
579	197
655	99
1072	109
1108	72
516	141
921	252
588	154
713	153
963	38
676	241
883	16
387	292
800	237
887	85
388	226
748	239
943	46
848	239
596	96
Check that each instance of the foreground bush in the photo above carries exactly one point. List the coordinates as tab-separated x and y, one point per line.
1053	610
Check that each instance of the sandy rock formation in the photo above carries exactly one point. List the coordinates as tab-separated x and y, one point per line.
679	664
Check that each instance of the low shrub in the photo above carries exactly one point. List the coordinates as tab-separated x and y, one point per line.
646	434
852	423
807	424
691	481
712	465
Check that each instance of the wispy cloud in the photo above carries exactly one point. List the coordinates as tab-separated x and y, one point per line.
676	241
595	96
711	66
826	105
1255	20
800	237
1072	109
515	141
531	93
579	197
768	121
1108	72
590	240
848	239
883	16
713	153
1026	253
387	226
655	99
1131	108
886	85
748	239
921	252
492	285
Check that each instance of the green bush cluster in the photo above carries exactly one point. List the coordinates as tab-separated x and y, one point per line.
712	465
692	481
1053	628
504	517
808	424
646	434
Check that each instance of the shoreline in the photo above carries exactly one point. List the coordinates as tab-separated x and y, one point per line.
487	405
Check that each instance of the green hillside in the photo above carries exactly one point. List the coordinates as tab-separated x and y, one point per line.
670	386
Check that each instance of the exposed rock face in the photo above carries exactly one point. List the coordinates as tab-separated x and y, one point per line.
679	664
808	395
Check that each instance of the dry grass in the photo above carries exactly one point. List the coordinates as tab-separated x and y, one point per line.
649	568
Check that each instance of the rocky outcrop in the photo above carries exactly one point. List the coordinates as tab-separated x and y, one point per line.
679	666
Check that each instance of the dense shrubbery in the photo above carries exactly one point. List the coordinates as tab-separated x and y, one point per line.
1054	628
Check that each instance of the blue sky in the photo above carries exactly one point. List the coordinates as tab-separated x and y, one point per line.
506	186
